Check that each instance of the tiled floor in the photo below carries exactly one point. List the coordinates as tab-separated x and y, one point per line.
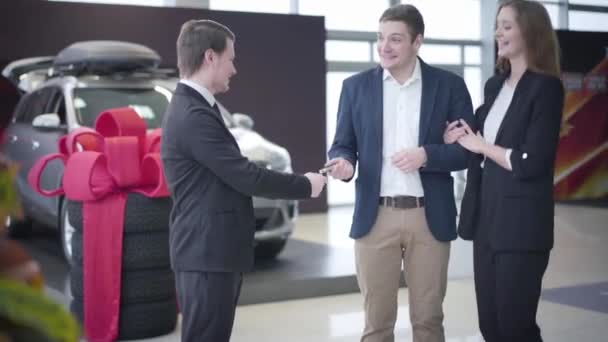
579	259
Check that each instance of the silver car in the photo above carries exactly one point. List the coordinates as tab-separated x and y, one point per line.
69	90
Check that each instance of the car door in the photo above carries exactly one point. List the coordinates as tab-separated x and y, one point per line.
26	144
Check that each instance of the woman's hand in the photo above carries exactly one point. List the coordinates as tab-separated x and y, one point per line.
471	141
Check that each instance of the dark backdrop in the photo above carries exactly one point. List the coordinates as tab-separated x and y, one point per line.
280	60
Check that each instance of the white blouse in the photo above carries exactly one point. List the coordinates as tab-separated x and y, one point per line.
496	116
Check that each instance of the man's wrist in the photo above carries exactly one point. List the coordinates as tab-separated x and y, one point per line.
424	156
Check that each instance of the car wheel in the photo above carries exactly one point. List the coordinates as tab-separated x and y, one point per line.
67	231
269	249
18	228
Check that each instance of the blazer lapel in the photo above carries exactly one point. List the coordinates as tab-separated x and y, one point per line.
489	102
429	93
511	113
187	90
377	113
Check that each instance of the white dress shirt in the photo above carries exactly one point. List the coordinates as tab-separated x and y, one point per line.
202	90
401	118
496	116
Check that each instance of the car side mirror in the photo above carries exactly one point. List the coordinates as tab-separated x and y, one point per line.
46	121
243	120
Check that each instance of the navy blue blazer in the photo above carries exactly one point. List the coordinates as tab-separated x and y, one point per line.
359	139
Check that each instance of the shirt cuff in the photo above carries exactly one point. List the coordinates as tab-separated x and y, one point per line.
508	157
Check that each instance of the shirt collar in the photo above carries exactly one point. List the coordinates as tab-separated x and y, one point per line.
416	75
202	90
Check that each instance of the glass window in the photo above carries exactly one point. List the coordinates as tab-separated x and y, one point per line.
553	11
472	55
34	104
444	19
338	192
588	21
348	15
266	6
589	2
337	50
150	104
376	56
440	54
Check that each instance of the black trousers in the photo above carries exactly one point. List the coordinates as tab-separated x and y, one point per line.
208	302
508	287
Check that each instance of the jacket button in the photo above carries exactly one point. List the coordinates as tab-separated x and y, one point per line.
524	156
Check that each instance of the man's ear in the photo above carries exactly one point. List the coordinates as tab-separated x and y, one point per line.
418	41
208	56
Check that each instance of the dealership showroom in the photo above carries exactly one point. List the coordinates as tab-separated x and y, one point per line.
94	78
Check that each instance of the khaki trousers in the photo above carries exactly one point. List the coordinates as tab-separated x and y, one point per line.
402	235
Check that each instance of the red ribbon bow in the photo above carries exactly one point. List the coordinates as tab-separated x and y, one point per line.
117	157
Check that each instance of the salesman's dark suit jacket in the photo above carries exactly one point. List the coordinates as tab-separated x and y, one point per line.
212	221
359	135
522	199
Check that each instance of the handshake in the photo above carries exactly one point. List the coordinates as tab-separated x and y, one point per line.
337	168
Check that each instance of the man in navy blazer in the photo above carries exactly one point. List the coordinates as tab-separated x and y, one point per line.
391	121
211	183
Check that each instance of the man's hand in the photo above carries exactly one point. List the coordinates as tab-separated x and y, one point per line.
409	159
317	183
471	141
453	131
339	168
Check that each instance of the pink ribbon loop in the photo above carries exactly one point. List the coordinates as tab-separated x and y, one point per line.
33	177
88	139
89	178
152	186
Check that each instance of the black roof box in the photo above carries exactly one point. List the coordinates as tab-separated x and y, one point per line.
105	56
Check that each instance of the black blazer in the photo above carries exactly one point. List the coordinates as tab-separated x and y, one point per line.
212	222
521	200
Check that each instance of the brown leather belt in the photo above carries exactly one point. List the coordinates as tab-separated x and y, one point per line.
402	202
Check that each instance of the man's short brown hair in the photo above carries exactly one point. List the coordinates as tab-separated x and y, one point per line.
196	37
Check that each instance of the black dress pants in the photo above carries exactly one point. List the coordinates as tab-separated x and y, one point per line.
208	302
508	287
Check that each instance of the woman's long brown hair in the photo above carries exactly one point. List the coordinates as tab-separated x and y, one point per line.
542	48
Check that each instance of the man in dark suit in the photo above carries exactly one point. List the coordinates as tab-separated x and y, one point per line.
391	121
212	223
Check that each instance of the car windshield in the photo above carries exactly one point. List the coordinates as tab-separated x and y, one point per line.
149	103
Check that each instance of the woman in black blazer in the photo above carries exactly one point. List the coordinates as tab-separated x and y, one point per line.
507	209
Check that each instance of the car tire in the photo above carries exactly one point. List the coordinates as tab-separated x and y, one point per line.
66	231
139	251
141	320
142	214
143	286
18	228
269	249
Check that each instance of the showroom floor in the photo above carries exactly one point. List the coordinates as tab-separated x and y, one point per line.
318	263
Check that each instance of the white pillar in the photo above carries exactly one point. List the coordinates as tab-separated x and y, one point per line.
488	22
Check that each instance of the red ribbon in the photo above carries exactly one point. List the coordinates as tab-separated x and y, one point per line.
115	158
